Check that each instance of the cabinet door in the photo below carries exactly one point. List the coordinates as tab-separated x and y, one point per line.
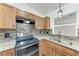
34	17
10	52
77	53
7	17
46	49
31	16
41	23
0	54
61	53
20	13
42	48
50	50
38	24
47	22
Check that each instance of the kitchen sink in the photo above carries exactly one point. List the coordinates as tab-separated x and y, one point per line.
63	41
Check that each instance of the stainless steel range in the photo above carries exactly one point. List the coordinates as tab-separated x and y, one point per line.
26	45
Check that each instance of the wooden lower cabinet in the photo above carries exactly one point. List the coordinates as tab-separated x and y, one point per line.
77	53
42	52
0	54
61	53
10	52
41	45
49	48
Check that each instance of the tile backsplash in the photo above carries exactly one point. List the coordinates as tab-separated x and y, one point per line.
12	34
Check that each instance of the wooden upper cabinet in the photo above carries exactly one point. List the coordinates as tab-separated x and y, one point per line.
38	24
35	17
24	14
7	17
31	16
42	23
20	13
47	22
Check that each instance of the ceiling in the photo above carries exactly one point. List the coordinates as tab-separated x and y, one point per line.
44	8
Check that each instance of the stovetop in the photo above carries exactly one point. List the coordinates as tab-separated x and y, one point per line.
26	41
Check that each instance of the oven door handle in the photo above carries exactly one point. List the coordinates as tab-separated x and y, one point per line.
19	48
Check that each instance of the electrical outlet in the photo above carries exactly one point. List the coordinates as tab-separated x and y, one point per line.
7	35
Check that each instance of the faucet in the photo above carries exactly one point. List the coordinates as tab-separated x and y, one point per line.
59	37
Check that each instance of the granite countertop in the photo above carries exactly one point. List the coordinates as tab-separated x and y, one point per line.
7	44
74	46
66	43
10	43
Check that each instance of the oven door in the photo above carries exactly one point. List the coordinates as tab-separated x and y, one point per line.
27	50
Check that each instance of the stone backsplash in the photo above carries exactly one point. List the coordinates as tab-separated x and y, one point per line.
48	32
24	28
64	37
41	31
12	34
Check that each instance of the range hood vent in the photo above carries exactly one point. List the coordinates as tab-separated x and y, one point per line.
19	21
23	20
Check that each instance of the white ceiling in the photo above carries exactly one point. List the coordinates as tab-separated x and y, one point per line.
44	8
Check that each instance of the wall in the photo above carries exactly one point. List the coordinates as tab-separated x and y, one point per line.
68	8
